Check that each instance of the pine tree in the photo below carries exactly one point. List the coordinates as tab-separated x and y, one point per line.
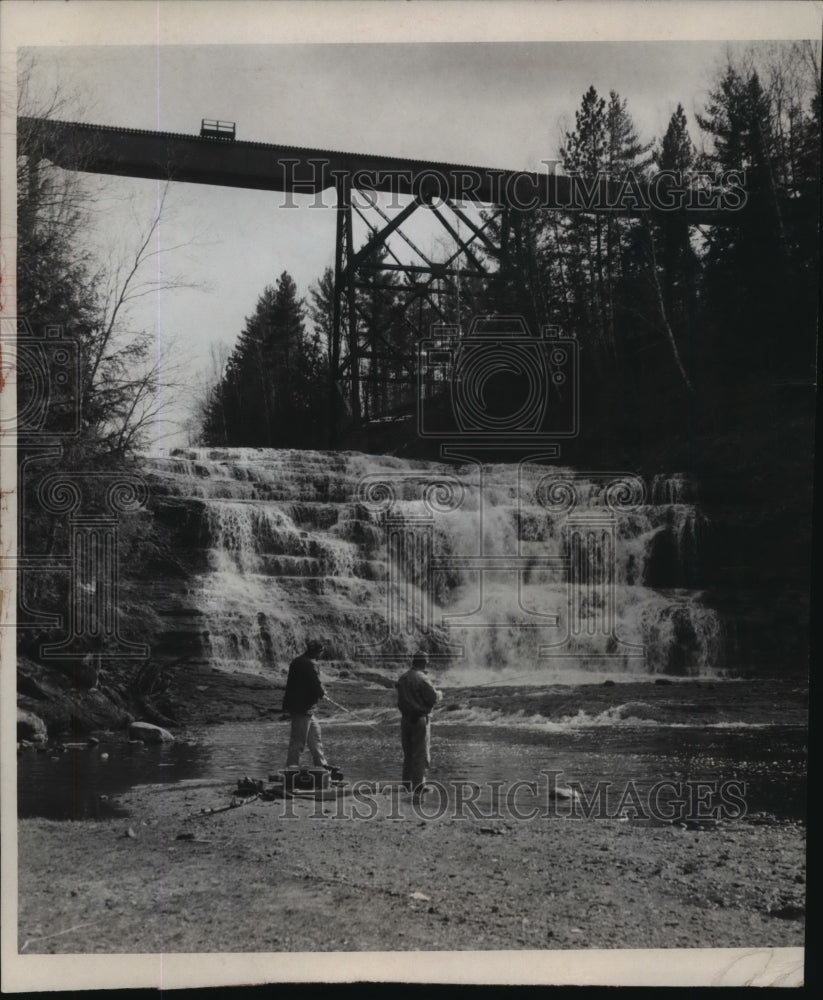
605	143
321	308
584	150
583	153
747	262
627	164
676	285
274	392
677	150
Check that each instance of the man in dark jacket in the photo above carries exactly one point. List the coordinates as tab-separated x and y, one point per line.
416	697
303	690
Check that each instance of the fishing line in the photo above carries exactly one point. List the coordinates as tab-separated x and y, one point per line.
343	708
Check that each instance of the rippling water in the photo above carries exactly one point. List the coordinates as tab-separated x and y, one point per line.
770	759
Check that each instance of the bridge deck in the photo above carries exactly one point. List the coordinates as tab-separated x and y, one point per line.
269	167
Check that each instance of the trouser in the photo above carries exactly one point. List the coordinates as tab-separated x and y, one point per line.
305	729
414	736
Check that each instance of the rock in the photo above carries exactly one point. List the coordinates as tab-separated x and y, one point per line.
420	897
562	792
31	727
149	733
28	686
85	673
787	910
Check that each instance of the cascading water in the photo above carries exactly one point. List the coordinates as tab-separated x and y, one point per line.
502	570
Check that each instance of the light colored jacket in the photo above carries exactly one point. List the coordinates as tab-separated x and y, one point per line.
416	695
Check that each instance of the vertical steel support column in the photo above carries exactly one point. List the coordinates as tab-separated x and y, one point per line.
351	302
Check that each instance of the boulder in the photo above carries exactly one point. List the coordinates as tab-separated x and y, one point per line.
85	674
148	733
31	727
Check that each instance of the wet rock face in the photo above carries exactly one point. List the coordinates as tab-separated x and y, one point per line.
148	733
31	727
285	546
52	692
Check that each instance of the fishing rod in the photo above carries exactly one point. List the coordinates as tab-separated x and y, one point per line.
343	708
234	804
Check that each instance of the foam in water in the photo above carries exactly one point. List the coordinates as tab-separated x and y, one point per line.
295	550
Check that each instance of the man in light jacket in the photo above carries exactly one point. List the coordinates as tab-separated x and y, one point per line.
303	690
416	697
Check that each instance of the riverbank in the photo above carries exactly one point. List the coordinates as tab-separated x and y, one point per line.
164	876
169	879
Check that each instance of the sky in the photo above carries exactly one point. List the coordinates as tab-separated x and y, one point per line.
489	104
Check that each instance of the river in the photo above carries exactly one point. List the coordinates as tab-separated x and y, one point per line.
767	759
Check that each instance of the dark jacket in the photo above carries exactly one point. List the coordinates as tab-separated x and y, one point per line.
303	687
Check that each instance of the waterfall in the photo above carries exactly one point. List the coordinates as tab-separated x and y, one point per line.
499	570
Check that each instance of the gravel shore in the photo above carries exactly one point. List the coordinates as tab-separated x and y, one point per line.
169	878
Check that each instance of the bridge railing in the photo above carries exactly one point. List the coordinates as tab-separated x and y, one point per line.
216	128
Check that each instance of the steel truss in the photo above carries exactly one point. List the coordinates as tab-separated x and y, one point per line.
375	288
